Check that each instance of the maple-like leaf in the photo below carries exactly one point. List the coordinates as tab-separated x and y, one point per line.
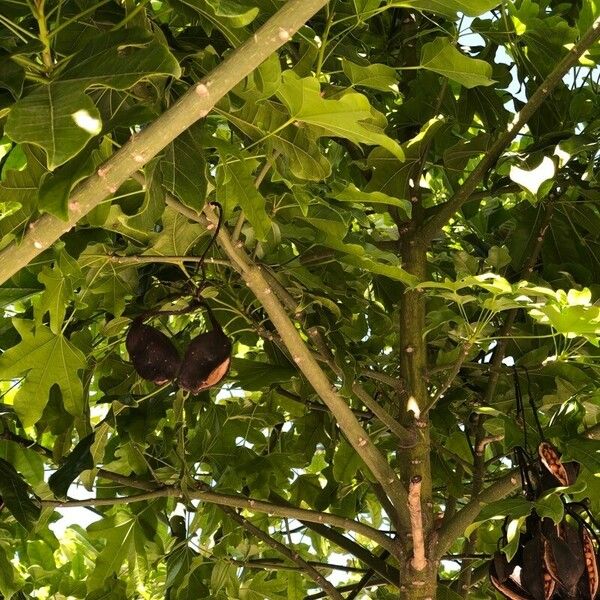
42	359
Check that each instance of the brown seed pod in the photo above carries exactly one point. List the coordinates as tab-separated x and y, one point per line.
535	575
505	579
152	353
563	473
563	554
206	360
591	566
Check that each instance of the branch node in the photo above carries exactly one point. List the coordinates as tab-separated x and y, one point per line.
202	91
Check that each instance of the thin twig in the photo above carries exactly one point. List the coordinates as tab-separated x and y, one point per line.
306	567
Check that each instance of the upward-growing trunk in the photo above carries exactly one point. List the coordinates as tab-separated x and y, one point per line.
420	582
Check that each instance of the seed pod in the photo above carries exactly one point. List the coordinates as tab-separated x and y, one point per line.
152	353
535	574
589	582
555	472
206	360
506	578
563	555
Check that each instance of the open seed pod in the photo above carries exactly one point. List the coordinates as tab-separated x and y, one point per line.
563	555
590	581
152	353
206	360
554	471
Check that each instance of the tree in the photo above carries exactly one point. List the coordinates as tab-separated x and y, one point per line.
408	193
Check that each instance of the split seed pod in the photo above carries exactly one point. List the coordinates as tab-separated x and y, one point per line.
555	472
152	353
589	583
563	555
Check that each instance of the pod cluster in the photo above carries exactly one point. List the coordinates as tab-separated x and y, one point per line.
204	364
554	561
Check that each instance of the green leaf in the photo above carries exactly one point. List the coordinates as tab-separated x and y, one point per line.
56	296
297	150
178	236
42	359
21	187
391	176
79	460
65	119
229	12
449	8
391	271
12	75
571	321
56	187
376	76
10	580
141	224
183	169
352	194
235	186
106	282
445	593
350	116
10	294
119	531
60	117
441	56
346	462
254	375
296	588
18	496
586	452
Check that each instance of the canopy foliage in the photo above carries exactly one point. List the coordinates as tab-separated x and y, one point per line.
410	205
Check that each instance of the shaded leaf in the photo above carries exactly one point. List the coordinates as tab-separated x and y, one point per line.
18	496
80	459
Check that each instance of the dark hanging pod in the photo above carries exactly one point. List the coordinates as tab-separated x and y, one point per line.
152	353
589	583
563	555
554	471
505	576
535	573
206	360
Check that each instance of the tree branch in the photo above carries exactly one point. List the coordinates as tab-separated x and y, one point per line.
456	526
150	259
232	501
358	438
430	229
142	147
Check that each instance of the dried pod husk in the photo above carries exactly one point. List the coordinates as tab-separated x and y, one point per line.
505	576
554	471
152	353
564	555
535	574
589	582
206	360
